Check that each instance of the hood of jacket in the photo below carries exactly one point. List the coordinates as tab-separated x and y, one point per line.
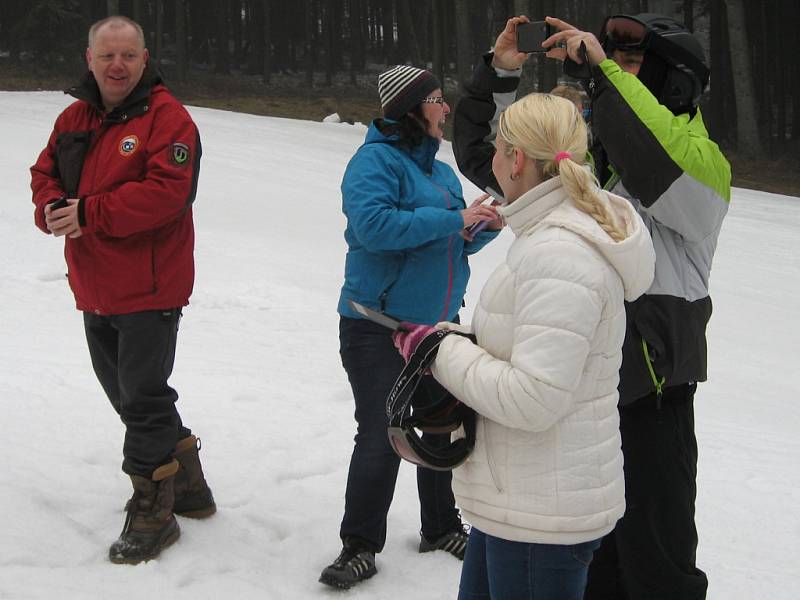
88	91
548	204
385	131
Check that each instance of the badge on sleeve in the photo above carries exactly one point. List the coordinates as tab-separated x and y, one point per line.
180	154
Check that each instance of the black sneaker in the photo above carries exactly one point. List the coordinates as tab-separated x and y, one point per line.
352	565
454	542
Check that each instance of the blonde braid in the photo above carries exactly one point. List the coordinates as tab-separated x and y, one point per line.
584	190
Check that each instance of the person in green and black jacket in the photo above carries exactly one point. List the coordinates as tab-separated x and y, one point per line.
645	75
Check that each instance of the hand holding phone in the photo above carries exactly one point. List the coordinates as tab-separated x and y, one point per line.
497	199
60	203
65	224
531	35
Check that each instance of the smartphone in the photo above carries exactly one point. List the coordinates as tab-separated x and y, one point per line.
531	35
481	225
376	317
477	227
60	203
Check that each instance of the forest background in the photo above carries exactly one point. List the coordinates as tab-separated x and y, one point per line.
306	59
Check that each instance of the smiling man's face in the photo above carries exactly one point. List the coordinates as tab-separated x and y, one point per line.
116	58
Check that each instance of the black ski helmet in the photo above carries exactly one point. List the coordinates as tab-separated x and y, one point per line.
674	67
418	403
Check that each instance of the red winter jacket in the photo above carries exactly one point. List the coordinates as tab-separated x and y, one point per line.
135	171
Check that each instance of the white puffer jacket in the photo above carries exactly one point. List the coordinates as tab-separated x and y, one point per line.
547	464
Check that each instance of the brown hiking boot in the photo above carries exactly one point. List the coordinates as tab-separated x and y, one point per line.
150	525
193	497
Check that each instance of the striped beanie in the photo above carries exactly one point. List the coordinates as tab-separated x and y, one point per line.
402	87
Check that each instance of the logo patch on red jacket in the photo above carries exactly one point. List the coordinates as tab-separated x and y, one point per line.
128	145
180	154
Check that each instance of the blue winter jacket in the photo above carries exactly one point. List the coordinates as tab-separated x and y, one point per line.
405	256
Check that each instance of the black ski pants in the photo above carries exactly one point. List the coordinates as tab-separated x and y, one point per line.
373	364
132	356
650	555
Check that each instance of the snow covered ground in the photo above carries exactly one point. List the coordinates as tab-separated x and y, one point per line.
260	382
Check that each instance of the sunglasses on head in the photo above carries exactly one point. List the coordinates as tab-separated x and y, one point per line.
624	33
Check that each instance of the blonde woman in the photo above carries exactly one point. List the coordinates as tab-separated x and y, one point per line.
544	483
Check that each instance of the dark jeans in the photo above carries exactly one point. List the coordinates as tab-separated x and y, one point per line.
132	356
650	555
373	364
506	570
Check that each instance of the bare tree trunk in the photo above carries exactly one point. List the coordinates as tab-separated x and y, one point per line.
221	59
308	58
794	78
748	141
337	42
552	68
86	11
356	40
438	40
688	14
631	7
534	66
180	39
372	27
718	116
266	33
499	16
387	29
159	31
235	31
254	36
406	28
420	22
464	37
281	18
138	11
593	15
328	20
765	55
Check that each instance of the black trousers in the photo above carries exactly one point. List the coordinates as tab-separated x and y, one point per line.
650	555
373	364
132	356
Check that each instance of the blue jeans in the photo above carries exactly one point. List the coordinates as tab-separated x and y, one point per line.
505	570
373	364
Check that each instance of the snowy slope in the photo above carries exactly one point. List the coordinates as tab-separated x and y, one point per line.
260	382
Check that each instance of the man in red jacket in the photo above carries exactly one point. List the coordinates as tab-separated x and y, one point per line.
117	181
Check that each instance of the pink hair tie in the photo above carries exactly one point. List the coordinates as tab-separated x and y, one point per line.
562	155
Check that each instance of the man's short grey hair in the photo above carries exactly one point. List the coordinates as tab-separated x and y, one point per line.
115	21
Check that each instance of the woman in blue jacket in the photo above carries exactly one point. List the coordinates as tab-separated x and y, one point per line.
407	256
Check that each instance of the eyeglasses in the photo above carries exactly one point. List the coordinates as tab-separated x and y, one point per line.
433	100
625	33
